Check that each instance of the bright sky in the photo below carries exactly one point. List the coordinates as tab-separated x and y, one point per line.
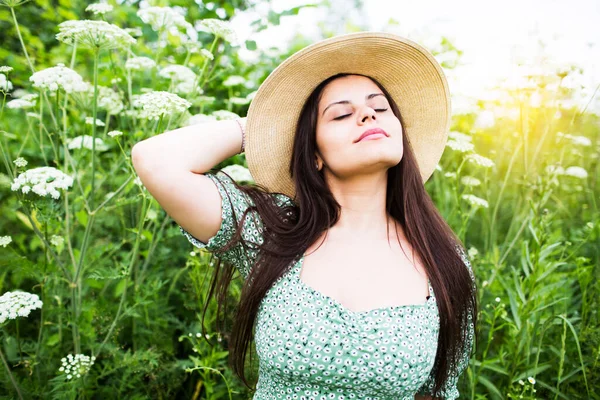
493	35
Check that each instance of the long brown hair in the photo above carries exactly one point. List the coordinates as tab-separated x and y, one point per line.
290	230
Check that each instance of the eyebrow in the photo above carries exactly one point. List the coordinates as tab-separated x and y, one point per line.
367	97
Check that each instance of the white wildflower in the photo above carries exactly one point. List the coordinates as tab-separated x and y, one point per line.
85	141
76	366
30	97
497	299
238	172
580	140
234	80
531	380
239	100
94	34
90	121
13	3
56	240
576	172
99	8
5	84
161	18
207	54
18	304
472	252
224	114
42	181
5	69
438	167
136	32
114	133
470	181
157	103
19	103
459	136
555	169
462	146
110	100
20	162
5	240
200	118
475	201
139	63
183	77
205	99
577	140
480	160
59	77
450	174
138	181
219	28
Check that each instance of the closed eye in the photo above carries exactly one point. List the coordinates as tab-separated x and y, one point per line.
344	116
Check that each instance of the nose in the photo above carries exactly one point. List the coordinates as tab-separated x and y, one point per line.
367	112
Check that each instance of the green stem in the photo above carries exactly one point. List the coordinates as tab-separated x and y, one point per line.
10	375
134	255
21	39
94	114
19	340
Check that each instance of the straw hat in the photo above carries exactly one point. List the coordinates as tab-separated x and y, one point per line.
408	71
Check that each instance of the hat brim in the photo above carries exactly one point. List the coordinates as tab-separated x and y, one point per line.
408	71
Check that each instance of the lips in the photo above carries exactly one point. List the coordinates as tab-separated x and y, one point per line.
372	132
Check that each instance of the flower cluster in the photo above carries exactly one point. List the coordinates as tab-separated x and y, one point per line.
20	103
18	304
162	18
183	78
90	121
59	77
576	140
20	162
5	240
93	34
42	181
475	201
459	136
470	181
5	84
200	118
99	8
140	63
219	28
76	366
86	141
115	133
461	146
480	160
157	103
224	114
574	171
234	80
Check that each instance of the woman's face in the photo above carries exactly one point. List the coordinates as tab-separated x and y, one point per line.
339	126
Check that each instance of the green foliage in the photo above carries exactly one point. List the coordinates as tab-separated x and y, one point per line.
118	282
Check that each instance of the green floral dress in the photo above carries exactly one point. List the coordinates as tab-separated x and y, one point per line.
312	347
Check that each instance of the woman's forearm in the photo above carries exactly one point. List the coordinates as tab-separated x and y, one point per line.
196	148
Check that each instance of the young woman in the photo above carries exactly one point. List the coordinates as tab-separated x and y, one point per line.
354	285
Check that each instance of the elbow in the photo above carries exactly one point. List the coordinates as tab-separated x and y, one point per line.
139	158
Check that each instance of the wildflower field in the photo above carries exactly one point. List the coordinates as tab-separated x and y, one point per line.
101	295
